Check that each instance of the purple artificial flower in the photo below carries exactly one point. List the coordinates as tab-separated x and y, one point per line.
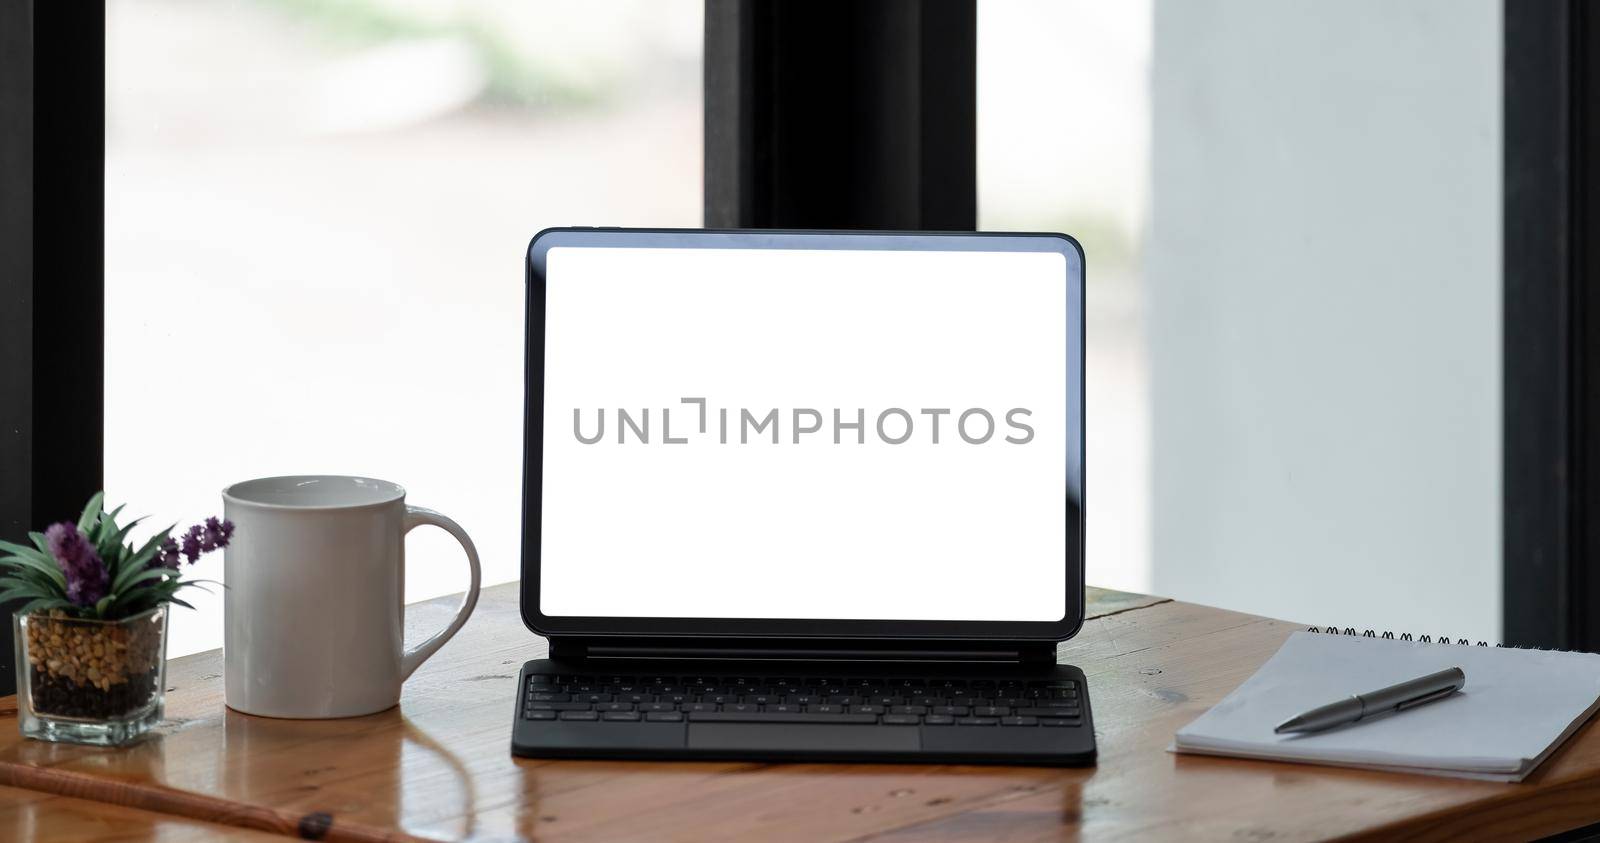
167	554
86	574
218	533
191	543
201	538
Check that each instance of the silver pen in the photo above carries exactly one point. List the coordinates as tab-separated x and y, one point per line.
1408	694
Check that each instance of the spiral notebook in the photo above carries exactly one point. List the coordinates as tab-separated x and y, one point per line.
1515	709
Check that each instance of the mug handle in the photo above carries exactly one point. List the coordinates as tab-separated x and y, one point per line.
413	658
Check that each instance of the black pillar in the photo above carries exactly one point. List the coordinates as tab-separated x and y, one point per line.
841	115
52	268
1552	325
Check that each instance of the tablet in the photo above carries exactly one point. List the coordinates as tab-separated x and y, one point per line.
804	434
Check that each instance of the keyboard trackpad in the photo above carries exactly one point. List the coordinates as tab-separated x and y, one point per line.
813	737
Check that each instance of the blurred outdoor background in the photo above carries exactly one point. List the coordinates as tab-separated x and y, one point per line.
317	210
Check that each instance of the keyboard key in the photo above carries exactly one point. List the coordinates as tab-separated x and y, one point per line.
938	720
866	709
719	699
699	706
991	711
1064	694
591	698
664	717
845	699
884	699
761	699
909	709
566	706
958	710
1019	721
773	717
1060	721
925	699
620	715
785	708
550	697
1048	712
977	721
580	715
901	719
539	715
636	698
802	699
825	709
743	708
540	679
613	706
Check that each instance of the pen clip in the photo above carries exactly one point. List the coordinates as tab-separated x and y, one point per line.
1428	697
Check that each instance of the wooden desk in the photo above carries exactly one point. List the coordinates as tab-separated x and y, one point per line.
439	766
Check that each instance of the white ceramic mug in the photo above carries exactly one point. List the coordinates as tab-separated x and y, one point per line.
315	599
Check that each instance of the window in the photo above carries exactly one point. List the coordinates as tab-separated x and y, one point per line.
315	215
1063	145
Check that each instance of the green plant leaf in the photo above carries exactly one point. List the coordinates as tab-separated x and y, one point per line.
26	593
112	550
40	541
43	604
184	603
102	604
29	576
147	552
91	512
33	559
133	576
33	580
19	550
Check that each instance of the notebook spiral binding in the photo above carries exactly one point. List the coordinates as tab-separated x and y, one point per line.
1406	636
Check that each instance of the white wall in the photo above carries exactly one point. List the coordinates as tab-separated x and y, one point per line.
1324	297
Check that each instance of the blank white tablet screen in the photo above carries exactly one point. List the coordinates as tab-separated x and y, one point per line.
795	434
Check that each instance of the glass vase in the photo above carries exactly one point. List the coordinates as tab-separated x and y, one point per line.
90	681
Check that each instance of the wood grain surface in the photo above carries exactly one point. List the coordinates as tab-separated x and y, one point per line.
439	767
27	815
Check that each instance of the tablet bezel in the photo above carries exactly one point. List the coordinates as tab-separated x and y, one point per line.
782	628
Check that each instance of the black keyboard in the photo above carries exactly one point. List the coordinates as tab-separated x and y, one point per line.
563	713
755	699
